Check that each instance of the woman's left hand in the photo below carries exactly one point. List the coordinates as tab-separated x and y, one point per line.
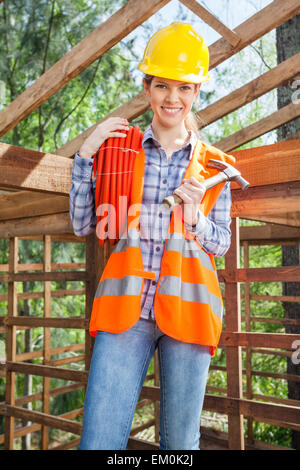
191	192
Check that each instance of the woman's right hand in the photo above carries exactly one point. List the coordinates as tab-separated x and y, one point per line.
103	131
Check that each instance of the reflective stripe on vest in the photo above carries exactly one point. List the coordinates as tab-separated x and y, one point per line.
127	285
172	285
188	249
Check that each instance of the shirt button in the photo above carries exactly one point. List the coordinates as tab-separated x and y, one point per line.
157	248
160	215
153	283
165	181
90	163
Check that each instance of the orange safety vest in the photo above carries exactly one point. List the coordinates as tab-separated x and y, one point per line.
188	303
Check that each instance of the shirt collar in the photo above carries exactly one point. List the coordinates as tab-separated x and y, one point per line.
148	134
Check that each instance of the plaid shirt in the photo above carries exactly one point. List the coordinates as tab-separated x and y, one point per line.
162	177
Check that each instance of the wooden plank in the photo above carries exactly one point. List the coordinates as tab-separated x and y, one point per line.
12	312
256	26
67	445
258	410
251	339
67	360
291	219
39	353
37	171
263	126
212	21
268	203
39	295
269	232
36	427
99	41
95	262
271	166
47	322
254	89
234	353
250	438
47	339
43	225
281	274
53	392
249	31
47	371
265	200
44	419
39	266
268	160
22	204
53	276
276	298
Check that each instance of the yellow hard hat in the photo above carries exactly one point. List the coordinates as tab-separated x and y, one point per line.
176	52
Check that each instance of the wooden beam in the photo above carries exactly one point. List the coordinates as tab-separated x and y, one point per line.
268	168
41	225
37	171
47	371
246	94
33	322
247	134
265	200
281	274
21	204
212	21
44	419
57	276
256	26
269	232
291	219
268	18
259	24
115	28
234	353
256	340
259	410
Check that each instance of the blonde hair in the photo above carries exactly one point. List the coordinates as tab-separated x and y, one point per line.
191	121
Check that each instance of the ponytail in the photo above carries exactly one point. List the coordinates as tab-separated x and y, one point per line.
191	123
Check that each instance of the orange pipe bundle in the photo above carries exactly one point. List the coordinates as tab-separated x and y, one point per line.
113	167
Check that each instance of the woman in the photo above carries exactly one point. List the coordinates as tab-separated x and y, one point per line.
168	296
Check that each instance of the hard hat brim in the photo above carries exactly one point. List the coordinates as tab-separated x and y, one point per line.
173	75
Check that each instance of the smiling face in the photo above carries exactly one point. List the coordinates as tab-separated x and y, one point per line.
171	100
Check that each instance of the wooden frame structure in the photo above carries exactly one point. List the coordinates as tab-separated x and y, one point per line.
34	206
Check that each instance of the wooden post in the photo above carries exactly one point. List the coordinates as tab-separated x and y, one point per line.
95	262
47	338
12	310
233	353
248	349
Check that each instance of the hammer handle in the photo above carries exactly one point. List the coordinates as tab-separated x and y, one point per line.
173	201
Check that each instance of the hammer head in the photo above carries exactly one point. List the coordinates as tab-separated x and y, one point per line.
232	174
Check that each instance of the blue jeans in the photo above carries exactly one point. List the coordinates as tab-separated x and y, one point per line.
118	369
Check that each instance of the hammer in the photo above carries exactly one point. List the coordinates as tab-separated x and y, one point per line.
227	173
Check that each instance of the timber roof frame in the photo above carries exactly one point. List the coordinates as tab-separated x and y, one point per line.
93	46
